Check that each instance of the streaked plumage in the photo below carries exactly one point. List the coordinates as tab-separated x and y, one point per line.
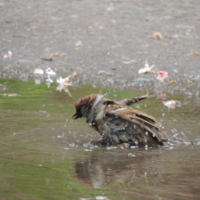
117	122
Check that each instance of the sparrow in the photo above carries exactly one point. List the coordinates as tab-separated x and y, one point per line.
117	122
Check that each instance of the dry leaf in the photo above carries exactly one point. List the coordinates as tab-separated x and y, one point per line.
75	73
47	59
193	53
53	54
172	81
157	36
11	94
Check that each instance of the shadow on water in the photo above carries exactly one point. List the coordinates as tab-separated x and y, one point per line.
44	154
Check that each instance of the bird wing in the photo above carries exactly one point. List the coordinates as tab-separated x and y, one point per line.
130	101
138	122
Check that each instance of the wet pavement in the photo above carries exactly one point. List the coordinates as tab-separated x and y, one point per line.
116	40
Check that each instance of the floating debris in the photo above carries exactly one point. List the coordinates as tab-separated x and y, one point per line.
65	88
87	149
11	94
65	81
131	155
101	198
172	104
37	81
60	136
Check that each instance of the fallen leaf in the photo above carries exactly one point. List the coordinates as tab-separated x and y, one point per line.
75	73
47	59
53	54
157	36
172	81
65	88
193	53
11	94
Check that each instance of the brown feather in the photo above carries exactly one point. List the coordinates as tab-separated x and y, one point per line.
85	101
130	101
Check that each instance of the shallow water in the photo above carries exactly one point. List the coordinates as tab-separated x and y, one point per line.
44	154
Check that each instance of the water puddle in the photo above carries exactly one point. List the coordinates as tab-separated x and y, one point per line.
45	154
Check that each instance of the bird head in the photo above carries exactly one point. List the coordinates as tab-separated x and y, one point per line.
84	105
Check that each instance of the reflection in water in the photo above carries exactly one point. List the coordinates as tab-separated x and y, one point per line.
44	149
104	167
48	83
65	88
167	173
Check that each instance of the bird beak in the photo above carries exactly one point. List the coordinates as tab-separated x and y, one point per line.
75	116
